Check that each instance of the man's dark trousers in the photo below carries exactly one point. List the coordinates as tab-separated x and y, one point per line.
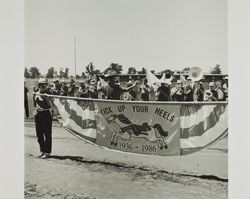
43	121
26	106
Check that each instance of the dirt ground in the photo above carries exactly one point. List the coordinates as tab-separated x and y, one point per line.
78	170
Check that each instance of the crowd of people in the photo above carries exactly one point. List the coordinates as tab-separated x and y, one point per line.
111	88
140	90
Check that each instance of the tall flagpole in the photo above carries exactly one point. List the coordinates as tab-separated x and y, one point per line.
75	56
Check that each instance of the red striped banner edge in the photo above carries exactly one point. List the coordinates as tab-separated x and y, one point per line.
84	124
186	151
199	129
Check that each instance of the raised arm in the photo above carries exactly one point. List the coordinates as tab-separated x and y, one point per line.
129	88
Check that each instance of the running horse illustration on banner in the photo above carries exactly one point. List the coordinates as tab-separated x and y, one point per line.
128	130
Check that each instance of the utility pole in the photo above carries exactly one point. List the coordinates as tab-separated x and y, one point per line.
75	55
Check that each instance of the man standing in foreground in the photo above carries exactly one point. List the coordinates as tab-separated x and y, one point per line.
43	119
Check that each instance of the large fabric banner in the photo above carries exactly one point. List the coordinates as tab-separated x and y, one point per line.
164	129
139	128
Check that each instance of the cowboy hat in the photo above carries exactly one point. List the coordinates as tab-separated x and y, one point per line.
42	81
111	73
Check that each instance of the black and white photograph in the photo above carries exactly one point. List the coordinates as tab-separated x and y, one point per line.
126	99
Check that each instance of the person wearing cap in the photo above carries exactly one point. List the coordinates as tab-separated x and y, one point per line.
177	92
57	88
43	119
211	94
72	88
64	88
113	90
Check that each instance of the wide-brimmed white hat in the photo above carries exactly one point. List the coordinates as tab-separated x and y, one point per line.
42	81
111	73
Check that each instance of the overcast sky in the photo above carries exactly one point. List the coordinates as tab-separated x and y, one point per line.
158	34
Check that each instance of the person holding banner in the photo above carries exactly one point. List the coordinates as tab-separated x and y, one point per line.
43	119
113	90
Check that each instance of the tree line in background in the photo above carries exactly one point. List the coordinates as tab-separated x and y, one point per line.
33	72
